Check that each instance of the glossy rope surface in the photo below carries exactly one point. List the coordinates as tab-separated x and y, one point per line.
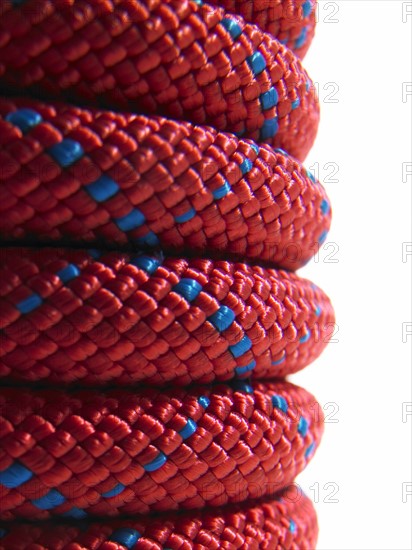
128	453
288	522
152	181
76	316
140	183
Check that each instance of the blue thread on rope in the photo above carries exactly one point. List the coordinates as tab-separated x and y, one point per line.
256	148
30	303
150	239
324	206
67	152
25	119
49	501
156	463
279	361
311	176
246	166
221	191
303	426
295	104
75	513
309	451
132	220
241	385
305	337
269	128
117	489
240	371
279	402
269	99
126	537
292	526
15	475
318	311
322	237
146	263
307	8
68	273
204	401
232	27
241	347
189	429
188	288
222	318
103	188
256	62
302	38
186	216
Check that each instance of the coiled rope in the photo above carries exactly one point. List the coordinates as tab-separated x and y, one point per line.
148	251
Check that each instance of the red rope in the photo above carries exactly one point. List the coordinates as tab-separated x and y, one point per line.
264	525
142	183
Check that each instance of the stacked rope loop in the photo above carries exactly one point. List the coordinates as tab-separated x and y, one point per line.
153	210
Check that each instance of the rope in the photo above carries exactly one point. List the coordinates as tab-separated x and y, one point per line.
128	270
267	525
73	316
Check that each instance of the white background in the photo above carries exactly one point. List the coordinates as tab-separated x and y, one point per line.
364	48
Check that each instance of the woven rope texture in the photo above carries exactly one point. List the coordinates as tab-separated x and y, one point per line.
151	198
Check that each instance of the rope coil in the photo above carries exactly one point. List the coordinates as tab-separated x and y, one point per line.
179	203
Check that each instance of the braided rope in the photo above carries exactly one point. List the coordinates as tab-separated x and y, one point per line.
150	180
288	523
70	316
129	453
171	57
71	176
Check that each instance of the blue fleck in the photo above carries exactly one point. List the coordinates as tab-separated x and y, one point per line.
75	513
117	489
3	533
126	537
15	475
25	119
222	318
269	128
156	463
189	429
241	385
221	191
305	337
67	152
102	189
255	147
204	401
146	263
309	450
322	237
49	501
269	99
232	27
256	62
279	361
292	526
303	426
308	85
30	303
186	216
302	38
247	368
278	150
295	104
311	176
324	206
307	8
241	347
68	273
318	311
246	166
279	402
150	239
188	288
133	219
